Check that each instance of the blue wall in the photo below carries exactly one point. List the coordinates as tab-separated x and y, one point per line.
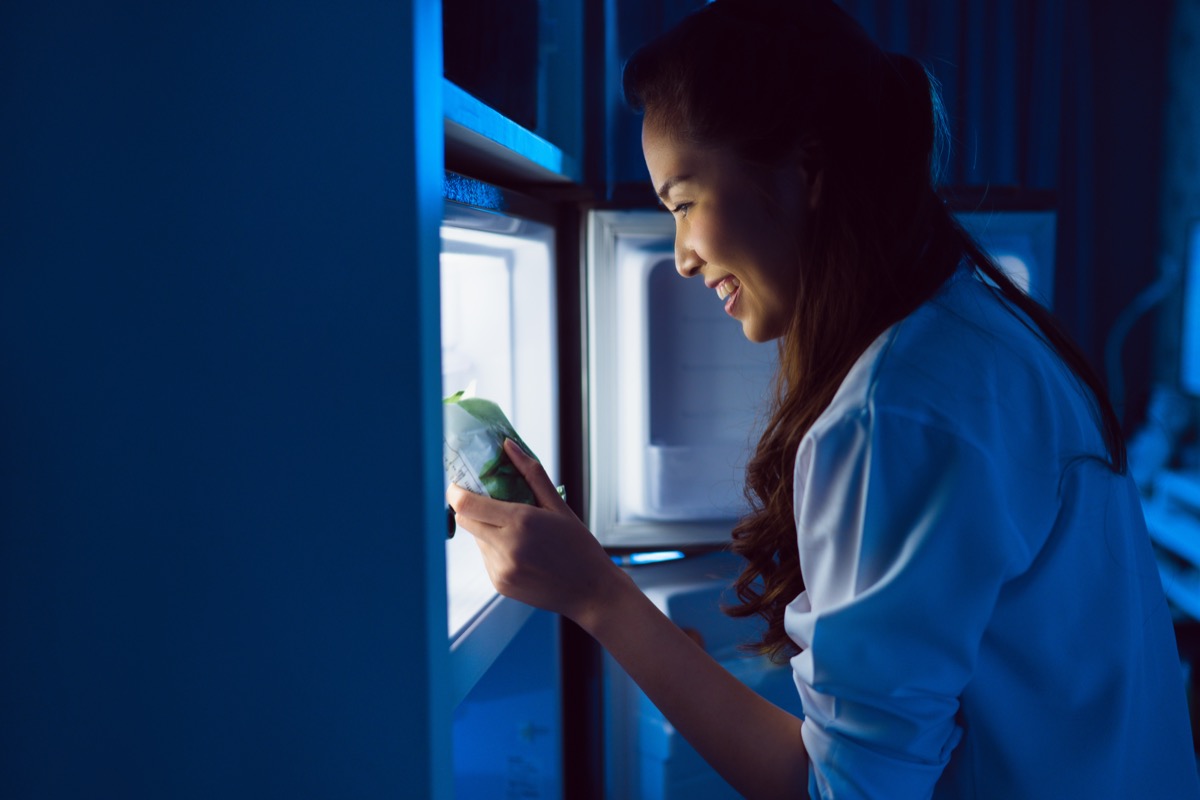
220	563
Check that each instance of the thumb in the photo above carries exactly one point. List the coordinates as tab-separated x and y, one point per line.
534	474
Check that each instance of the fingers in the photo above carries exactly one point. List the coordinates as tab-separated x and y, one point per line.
477	507
480	531
534	475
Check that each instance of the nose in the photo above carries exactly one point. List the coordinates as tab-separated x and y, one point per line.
687	262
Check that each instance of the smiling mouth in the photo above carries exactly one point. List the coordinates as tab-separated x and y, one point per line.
727	287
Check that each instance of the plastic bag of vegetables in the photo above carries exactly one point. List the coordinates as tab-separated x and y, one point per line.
474	430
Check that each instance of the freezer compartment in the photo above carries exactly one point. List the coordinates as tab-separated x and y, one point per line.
677	393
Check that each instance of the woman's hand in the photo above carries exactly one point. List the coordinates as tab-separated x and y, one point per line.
542	555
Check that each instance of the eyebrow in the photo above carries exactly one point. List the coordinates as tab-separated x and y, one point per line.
669	183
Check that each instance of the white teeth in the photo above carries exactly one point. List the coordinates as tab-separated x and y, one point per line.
727	287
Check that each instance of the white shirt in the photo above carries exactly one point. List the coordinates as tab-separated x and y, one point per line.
983	617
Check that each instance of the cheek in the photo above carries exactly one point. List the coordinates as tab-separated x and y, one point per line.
722	239
750	224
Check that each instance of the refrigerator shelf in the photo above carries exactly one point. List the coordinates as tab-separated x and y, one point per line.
479	135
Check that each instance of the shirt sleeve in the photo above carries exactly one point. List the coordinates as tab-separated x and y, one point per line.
904	545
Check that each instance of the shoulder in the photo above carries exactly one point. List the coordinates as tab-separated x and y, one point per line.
969	364
962	381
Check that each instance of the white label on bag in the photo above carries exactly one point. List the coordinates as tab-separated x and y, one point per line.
458	470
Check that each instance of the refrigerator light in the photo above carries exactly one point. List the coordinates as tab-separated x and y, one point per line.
656	557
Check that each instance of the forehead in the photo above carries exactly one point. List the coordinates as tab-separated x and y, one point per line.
656	141
673	161
667	156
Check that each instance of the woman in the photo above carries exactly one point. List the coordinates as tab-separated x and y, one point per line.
943	538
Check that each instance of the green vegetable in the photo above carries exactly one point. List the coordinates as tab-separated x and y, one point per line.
474	434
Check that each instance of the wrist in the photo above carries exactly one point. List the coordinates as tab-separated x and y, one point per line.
612	592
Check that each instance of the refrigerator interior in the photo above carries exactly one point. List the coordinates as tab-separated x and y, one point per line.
676	392
646	758
498	335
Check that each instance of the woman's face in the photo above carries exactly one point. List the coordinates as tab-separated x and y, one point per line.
737	225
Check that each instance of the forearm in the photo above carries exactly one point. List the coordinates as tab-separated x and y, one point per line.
752	743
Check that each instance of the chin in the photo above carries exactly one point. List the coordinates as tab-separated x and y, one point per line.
758	336
761	334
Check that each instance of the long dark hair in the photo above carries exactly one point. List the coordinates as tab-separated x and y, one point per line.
779	79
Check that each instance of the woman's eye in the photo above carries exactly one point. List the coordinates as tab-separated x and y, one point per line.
681	209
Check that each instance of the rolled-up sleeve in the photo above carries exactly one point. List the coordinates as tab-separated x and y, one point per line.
904	545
